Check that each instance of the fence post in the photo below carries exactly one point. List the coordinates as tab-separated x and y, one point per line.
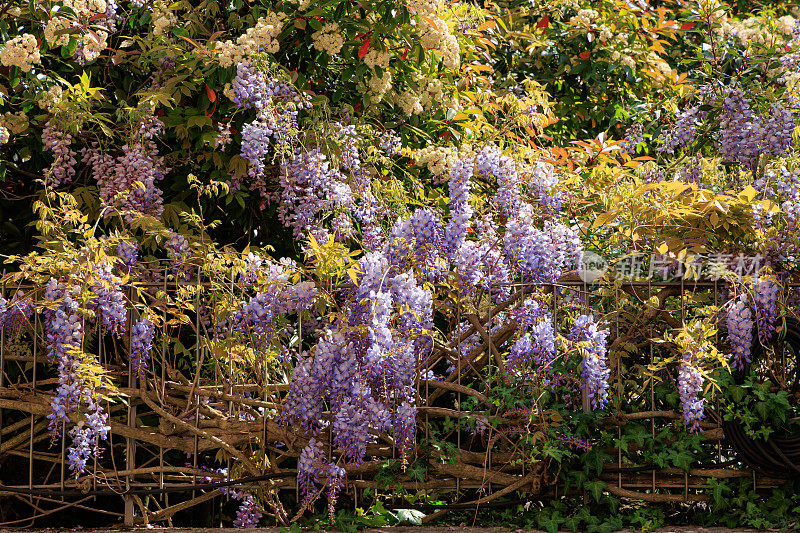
128	520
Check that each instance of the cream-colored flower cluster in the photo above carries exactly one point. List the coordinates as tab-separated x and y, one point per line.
658	65
329	39
424	7
606	33
623	58
83	9
410	102
377	58
16	123
435	34
585	17
438	159
163	18
21	51
453	105
91	44
229	92
54	25
379	86
51	99
431	92
755	30
94	44
262	36
785	24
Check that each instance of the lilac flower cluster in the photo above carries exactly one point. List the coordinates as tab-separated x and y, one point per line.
364	368
178	253
690	387
633	137
745	136
277	104
347	139
87	433
309	186
740	332
128	182
252	265
142	333
574	443
594	369
540	255
390	143
57	141
310	466
544	181
765	302
225	135
108	300
460	210
128	252
257	317
249	513
15	314
64	334
537	337
405	425
684	131
489	162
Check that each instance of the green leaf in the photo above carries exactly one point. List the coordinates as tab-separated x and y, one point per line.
595	488
69	50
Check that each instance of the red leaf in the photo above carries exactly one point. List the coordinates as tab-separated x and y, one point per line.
688	25
213	109
212	96
364	48
405	53
544	22
584	55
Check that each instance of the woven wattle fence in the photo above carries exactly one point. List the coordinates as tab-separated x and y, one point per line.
167	427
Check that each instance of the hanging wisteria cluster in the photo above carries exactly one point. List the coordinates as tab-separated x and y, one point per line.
690	388
740	332
128	181
75	395
591	343
744	318
743	135
16	313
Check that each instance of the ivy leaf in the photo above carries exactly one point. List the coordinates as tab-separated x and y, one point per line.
595	488
551	523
